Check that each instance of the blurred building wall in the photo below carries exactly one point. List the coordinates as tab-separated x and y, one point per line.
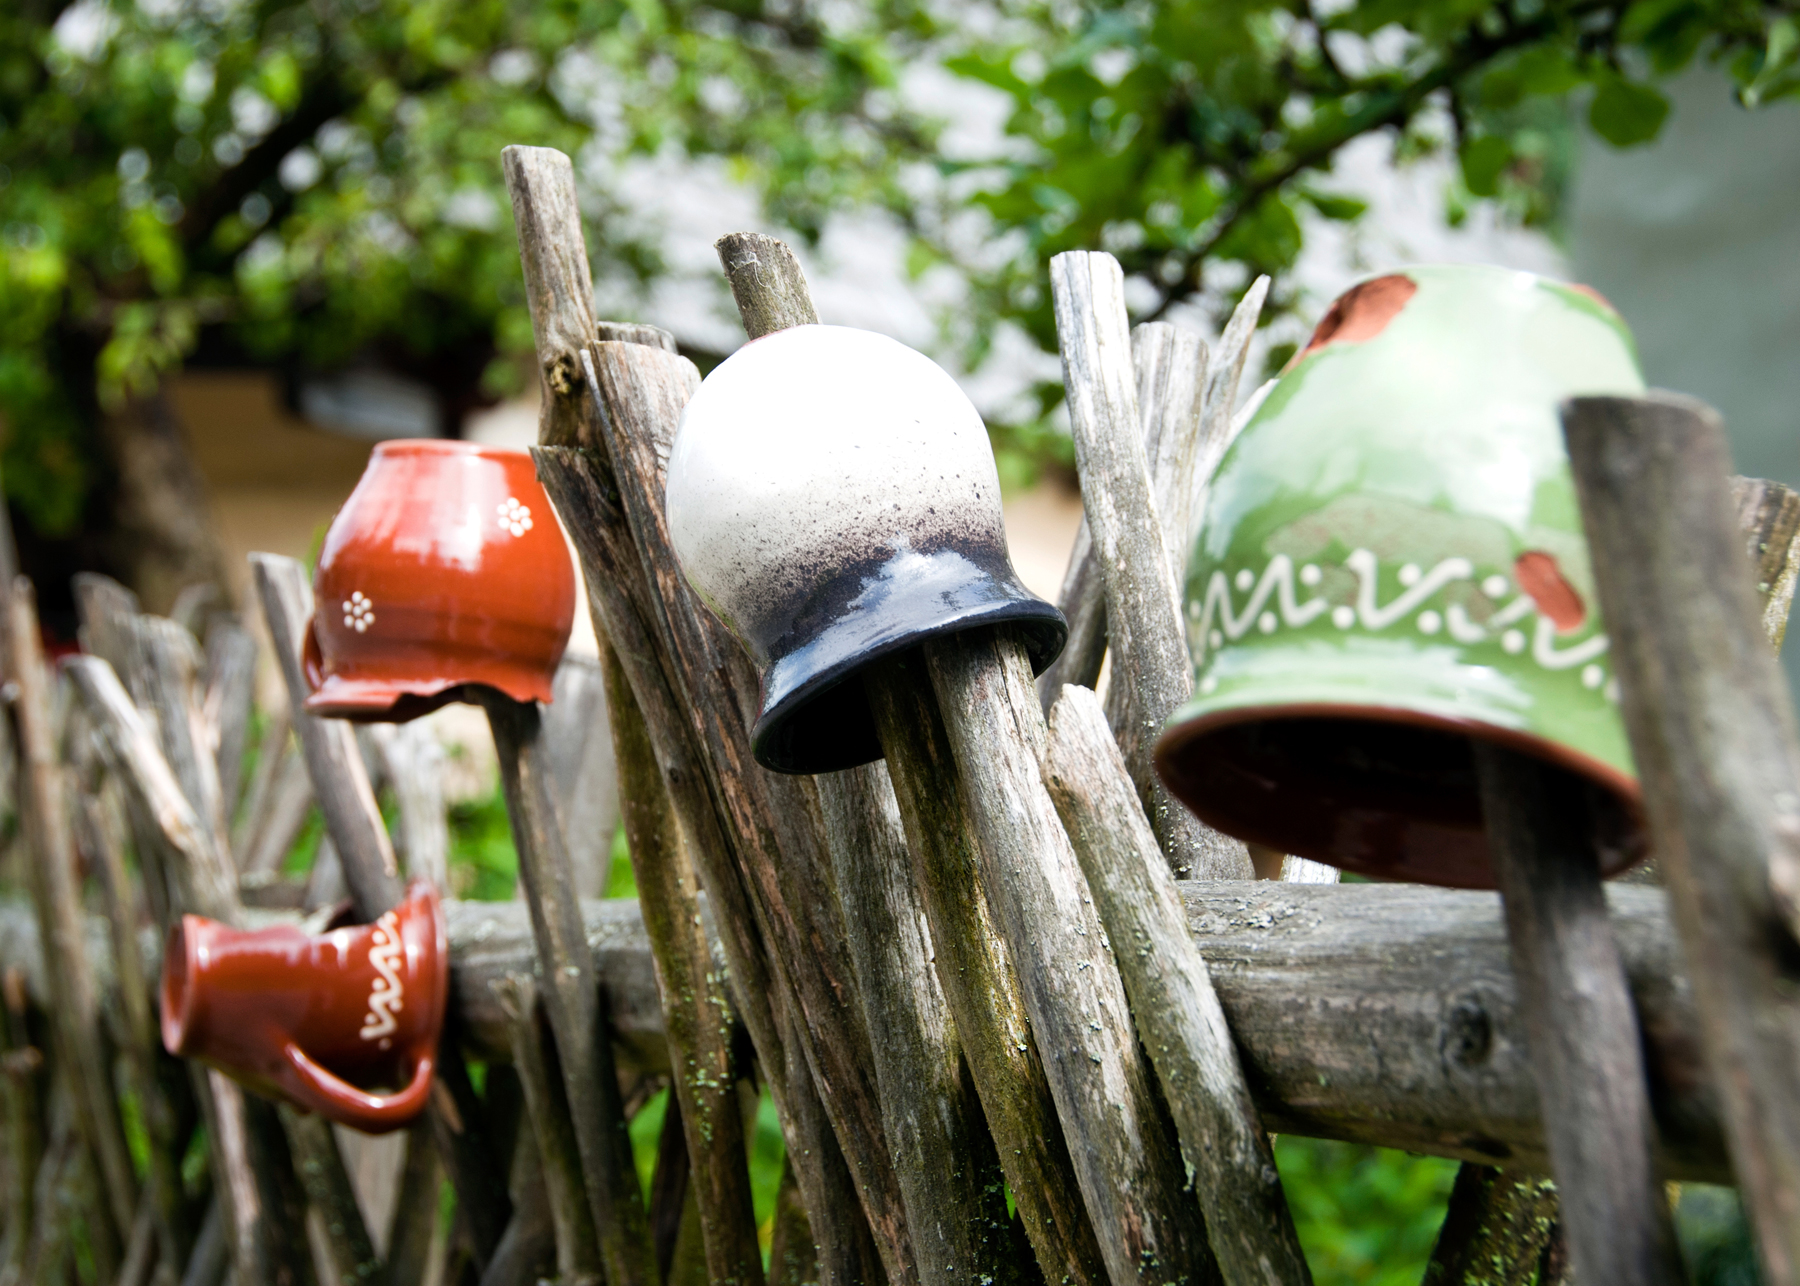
1696	239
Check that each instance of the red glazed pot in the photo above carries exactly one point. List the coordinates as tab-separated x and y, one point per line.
445	567
326	1022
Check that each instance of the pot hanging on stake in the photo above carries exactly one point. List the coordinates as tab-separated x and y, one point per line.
1400	670
344	1023
444	569
1391	566
832	497
445	578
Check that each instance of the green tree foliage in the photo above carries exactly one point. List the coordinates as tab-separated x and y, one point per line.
1192	137
298	182
301	182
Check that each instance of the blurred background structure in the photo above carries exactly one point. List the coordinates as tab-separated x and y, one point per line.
240	243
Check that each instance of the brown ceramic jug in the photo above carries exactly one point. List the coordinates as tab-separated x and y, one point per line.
345	1022
445	567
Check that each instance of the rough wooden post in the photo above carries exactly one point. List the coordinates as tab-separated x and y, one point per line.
1713	734
948	1170
540	1076
354	825
1768	517
571	992
1496	1230
333	759
974	966
75	1016
1172	998
554	257
786	952
772	821
1130	1171
1151	675
1083	597
697	1014
1585	1046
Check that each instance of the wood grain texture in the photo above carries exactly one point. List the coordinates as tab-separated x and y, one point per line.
1119	1137
949	1174
322	1176
412	762
697	1016
1151	671
56	895
767	283
1381	1014
582	488
333	759
570	993
1579	1021
1221	418
230	696
540	1076
974	968
1496	1230
1170	366
1177	1011
587	779
1713	734
777	840
559	286
1768	515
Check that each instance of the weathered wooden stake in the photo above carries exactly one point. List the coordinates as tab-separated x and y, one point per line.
75	1015
1172	998
948	1171
1151	673
571	992
540	1076
1713	735
1496	1231
1585	1048
1120	1140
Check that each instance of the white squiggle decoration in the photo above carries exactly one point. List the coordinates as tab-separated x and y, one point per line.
1277	579
1365	565
386	995
1543	648
1215	621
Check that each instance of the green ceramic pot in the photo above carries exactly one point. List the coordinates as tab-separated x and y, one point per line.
1391	563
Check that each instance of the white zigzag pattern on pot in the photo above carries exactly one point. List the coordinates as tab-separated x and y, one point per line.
1214	620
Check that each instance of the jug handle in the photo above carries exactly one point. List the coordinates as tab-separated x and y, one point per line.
357	1108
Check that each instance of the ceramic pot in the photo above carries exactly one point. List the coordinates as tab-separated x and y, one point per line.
832	497
345	1023
445	567
1391	563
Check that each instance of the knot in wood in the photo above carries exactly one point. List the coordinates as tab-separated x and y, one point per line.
562	374
1468	1036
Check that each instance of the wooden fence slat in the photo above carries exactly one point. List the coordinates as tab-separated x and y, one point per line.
1381	1014
974	967
570	993
1121	1142
773	819
540	1076
1176	1010
1496	1230
1151	672
1714	737
75	1016
1579	1021
554	259
948	1171
353	824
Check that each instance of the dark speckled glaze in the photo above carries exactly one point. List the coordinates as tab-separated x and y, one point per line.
329	1022
832	497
